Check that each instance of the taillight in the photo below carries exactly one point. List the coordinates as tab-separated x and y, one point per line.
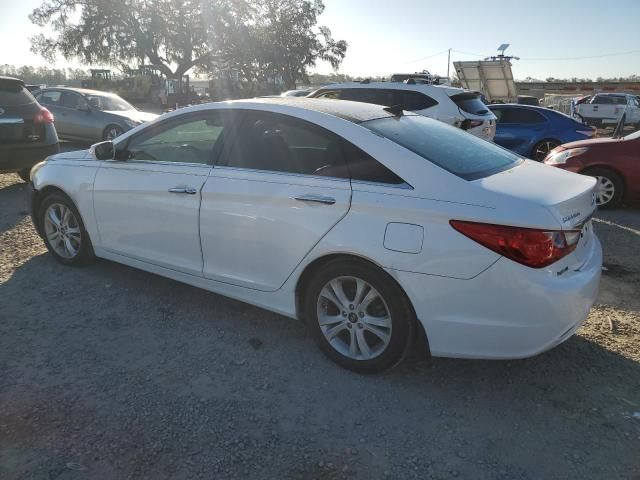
43	116
528	246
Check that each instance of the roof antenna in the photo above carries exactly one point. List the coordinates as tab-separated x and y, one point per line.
395	109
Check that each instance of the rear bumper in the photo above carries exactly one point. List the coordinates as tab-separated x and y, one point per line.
509	311
17	158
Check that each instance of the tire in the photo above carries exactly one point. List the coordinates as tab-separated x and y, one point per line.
610	187
25	174
77	250
346	336
112	132
542	149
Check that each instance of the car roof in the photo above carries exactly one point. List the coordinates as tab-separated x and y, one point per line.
11	79
84	91
397	86
521	105
355	112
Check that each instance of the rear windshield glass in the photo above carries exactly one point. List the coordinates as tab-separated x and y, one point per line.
454	150
12	94
470	103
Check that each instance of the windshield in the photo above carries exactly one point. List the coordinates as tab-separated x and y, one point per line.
453	149
470	103
108	103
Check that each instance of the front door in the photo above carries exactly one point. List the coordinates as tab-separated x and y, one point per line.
281	187
147	206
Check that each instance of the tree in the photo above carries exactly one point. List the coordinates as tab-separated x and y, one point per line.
289	40
262	39
172	35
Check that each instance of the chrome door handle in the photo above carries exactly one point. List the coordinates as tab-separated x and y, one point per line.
187	190
316	198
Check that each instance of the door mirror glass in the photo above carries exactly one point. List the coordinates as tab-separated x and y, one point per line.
103	150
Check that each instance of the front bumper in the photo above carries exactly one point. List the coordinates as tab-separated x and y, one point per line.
32	201
509	311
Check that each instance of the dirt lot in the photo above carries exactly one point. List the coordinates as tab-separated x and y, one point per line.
111	373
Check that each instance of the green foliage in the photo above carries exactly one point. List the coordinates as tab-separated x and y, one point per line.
257	40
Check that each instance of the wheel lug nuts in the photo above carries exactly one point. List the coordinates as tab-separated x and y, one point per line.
361	314
360	325
344	314
350	307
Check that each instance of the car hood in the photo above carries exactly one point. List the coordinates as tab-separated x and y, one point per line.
587	143
72	155
135	115
569	197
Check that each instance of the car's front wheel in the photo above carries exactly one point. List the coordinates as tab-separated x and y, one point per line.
359	316
63	231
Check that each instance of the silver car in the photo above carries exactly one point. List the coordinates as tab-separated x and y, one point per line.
90	115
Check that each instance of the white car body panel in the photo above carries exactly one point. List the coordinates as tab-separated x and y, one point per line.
126	196
243	235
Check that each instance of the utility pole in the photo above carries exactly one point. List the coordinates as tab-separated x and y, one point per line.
448	63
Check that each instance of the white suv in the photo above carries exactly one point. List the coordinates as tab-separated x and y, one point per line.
455	106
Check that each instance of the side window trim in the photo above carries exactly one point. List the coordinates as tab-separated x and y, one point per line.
215	154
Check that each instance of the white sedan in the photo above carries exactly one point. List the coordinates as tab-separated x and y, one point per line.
375	226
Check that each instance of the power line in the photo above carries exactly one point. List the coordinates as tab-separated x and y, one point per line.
428	56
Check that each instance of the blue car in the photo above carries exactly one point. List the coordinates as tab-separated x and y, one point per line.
534	131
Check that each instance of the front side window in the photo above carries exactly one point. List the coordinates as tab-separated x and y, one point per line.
109	103
520	115
72	100
186	141
450	148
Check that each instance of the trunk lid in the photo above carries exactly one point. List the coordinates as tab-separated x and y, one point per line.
568	196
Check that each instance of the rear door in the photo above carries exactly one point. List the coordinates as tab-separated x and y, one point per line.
282	185
518	129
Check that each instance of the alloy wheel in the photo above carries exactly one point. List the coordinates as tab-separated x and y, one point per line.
605	191
113	133
354	318
543	149
62	230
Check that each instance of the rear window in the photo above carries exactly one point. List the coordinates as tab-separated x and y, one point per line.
609	100
454	150
470	103
13	94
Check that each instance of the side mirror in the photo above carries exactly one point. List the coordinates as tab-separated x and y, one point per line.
104	150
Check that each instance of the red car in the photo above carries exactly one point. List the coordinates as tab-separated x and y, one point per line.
614	162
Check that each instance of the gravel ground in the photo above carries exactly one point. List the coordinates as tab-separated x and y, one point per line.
111	373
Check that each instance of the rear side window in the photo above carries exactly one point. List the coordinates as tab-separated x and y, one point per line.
450	148
50	97
386	97
13	94
517	115
280	143
470	103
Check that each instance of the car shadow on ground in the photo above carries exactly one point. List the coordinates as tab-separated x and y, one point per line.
13	203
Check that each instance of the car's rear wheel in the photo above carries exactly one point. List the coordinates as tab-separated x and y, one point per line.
609	189
359	316
112	132
542	149
63	231
25	174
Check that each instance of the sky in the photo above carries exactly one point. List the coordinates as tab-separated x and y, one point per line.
395	36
